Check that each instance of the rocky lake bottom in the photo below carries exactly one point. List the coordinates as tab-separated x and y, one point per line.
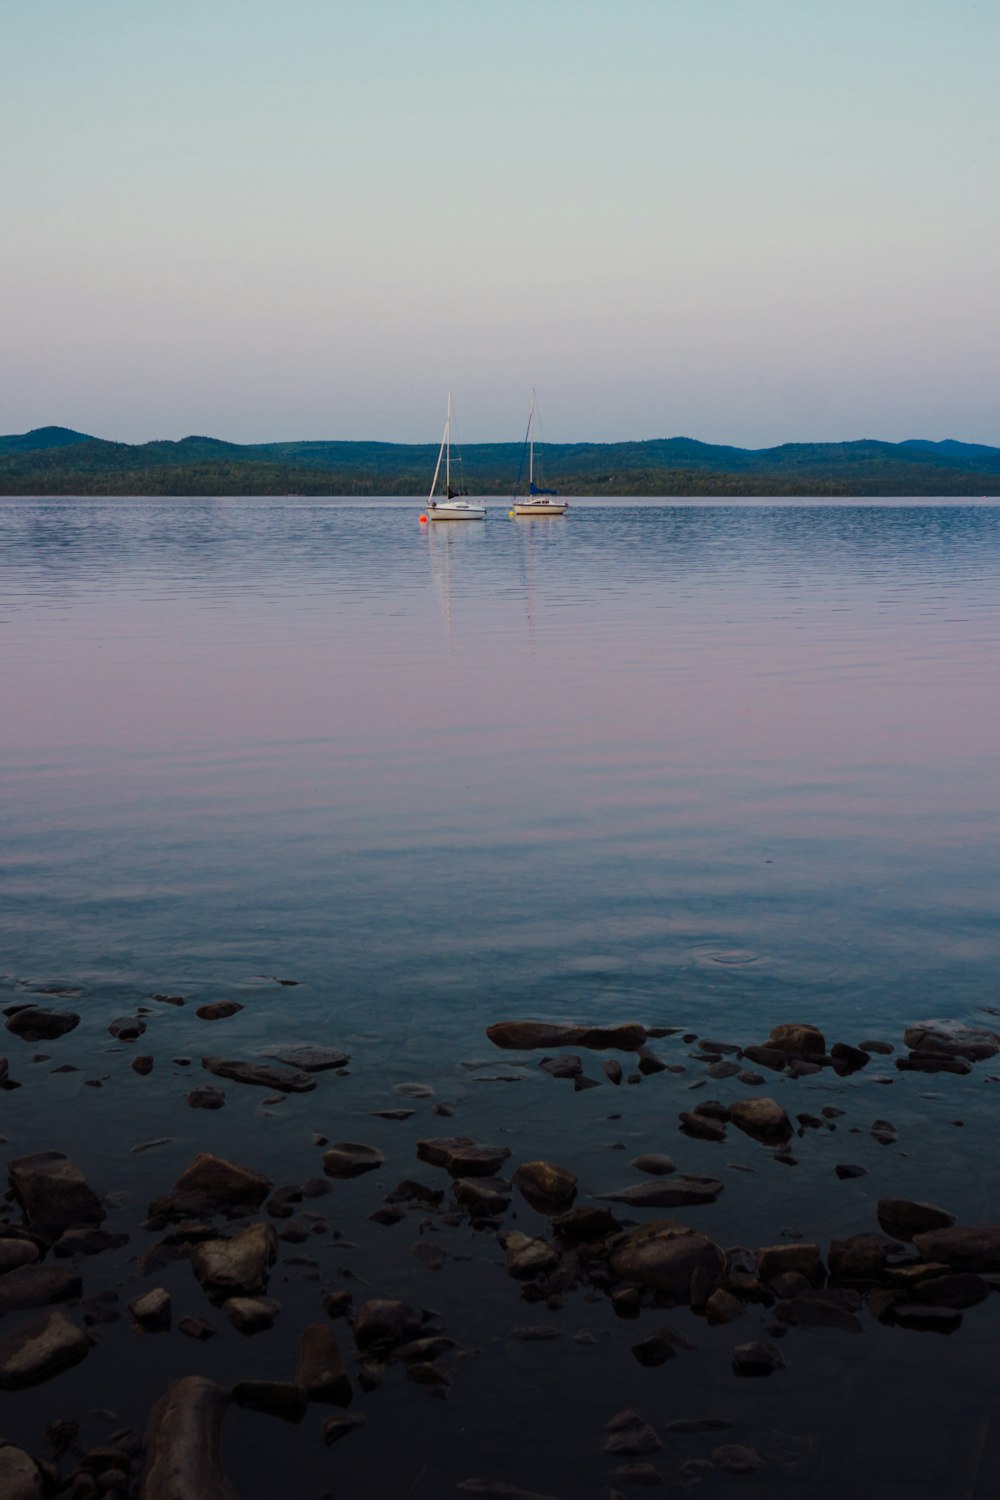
752	1270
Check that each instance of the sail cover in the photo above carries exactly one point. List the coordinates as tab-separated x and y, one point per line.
534	490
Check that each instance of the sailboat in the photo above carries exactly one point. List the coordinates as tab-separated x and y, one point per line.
452	507
537	502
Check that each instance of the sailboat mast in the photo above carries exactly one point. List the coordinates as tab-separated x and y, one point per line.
444	441
531	441
447	451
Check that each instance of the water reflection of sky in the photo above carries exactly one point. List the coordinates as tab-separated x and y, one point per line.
635	729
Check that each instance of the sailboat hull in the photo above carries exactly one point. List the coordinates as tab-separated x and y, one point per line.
540	507
453	512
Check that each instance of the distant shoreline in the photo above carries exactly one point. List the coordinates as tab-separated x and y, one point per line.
56	461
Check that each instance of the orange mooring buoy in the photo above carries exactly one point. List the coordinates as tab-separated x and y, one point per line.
423	520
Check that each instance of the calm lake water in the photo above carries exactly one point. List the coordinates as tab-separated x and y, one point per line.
700	765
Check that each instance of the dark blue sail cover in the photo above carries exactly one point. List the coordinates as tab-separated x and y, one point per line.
534	490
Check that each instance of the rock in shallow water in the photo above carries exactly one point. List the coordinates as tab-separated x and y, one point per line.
183	1440
973	1248
757	1358
37	1351
762	1118
261	1075
798	1038
310	1057
903	1219
548	1188
664	1255
37	1286
525	1035
680	1191
952	1039
239	1264
20	1476
321	1371
35	1024
252	1314
278	1398
151	1311
351	1159
211	1184
53	1192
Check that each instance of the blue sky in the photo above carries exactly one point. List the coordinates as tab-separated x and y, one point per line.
742	220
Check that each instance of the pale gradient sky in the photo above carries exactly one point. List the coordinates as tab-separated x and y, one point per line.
747	221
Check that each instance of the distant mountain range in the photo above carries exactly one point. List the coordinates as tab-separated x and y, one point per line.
58	461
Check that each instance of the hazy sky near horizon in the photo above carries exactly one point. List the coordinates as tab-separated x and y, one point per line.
746	221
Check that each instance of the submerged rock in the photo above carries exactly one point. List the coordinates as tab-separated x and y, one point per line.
932	1062
218	1010
903	1220
336	1428
37	1351
321	1371
585	1224
33	1023
351	1159
702	1127
757	1358
310	1057
656	1166
211	1184
526	1035
630	1435
483	1197
205	1097
678	1192
278	1398
821	1309
261	1075
127	1028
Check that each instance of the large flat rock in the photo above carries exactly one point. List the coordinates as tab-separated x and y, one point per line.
261	1075
39	1350
627	1036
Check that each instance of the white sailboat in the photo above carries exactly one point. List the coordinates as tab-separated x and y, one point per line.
537	502
452	507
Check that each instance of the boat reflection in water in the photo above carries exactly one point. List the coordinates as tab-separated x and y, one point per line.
447	549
